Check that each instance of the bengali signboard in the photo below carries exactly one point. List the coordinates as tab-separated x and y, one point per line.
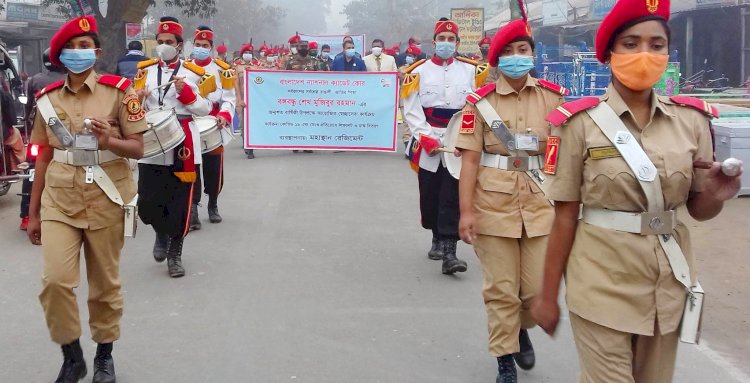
336	41
471	28
133	32
554	12
22	12
321	110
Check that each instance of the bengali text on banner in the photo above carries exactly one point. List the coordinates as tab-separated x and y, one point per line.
321	110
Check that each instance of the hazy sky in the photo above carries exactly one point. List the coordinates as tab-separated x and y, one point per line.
335	20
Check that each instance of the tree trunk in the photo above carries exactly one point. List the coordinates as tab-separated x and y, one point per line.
112	29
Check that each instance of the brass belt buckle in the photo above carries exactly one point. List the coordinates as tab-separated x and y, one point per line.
657	223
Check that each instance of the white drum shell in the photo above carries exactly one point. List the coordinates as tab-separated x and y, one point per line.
165	132
452	163
210	133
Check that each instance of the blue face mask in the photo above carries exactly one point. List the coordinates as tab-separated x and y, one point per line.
201	53
350	52
516	66
78	60
445	49
409	60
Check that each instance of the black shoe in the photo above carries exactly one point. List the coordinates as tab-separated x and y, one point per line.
525	358
451	264
506	370
296	151
250	154
74	367
104	365
213	214
195	221
160	247
308	151
174	258
436	252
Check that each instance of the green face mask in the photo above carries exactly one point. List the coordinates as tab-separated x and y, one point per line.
313	53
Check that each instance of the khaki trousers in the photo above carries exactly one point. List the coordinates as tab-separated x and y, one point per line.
611	356
61	245
512	270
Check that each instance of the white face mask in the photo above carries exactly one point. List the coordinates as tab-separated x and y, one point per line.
269	59
247	56
166	52
294	51
377	51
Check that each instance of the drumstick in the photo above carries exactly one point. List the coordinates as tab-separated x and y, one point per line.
445	150
166	84
703	164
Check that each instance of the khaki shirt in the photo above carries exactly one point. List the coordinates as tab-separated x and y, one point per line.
616	279
507	203
67	197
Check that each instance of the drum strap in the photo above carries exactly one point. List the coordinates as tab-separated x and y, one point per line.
489	114
163	93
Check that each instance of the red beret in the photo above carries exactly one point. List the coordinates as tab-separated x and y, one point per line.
413	50
513	30
446	26
396	47
485	40
623	12
170	27
294	39
203	35
221	49
313	45
247	47
389	52
73	28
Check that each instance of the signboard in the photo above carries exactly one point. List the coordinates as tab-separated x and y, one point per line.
471	28
600	8
133	32
336	41
51	13
321	110
554	12
22	12
715	3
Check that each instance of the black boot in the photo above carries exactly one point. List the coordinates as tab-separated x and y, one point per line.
506	370
195	221
436	252
160	247
174	258
74	367
104	365
250	153
213	213
525	358
451	264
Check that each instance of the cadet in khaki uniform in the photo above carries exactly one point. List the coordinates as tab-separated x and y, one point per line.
244	63
69	209
504	213
484	49
625	301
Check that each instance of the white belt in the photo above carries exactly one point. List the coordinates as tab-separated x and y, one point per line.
518	164
637	223
84	157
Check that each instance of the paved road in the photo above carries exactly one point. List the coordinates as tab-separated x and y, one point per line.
318	274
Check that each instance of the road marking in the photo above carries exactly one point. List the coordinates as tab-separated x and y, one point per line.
723	362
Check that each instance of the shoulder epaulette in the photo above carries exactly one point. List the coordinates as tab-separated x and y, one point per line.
118	82
222	64
468	61
415	65
697	104
480	93
147	63
551	86
195	68
46	89
410	84
569	109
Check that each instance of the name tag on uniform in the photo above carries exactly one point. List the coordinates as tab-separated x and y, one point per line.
527	142
604	152
86	141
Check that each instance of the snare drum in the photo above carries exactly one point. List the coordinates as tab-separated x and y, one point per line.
210	132
165	132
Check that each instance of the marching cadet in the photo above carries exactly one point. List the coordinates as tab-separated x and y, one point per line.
301	60
221	51
427	113
244	63
86	127
224	100
412	53
484	49
166	181
504	212
629	159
